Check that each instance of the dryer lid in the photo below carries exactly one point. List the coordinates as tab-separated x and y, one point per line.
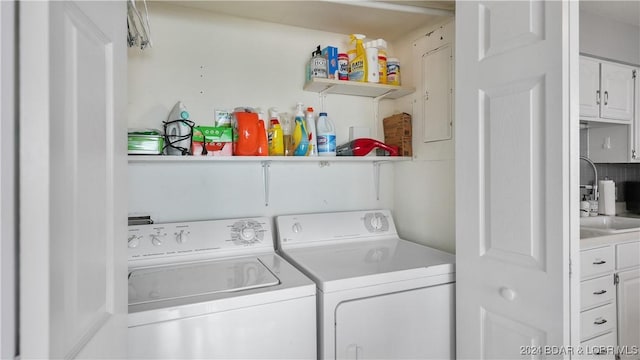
192	279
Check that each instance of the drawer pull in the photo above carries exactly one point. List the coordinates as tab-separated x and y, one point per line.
599	262
600	322
600	292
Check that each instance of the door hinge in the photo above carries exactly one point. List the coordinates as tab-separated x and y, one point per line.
570	268
616	279
634	74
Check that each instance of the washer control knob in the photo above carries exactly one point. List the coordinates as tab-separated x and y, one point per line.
181	237
155	240
296	228
248	234
134	241
376	222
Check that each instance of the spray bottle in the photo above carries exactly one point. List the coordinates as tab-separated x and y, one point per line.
311	128
300	134
358	67
275	134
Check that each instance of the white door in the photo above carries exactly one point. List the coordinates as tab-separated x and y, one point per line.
516	171
617	91
628	296
590	96
72	205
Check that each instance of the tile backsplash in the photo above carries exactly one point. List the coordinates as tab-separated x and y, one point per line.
619	173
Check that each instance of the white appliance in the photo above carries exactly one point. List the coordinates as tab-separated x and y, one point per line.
216	289
379	296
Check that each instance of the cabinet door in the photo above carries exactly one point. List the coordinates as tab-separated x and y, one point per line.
589	88
629	313
617	92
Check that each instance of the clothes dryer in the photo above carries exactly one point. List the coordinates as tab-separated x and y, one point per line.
379	296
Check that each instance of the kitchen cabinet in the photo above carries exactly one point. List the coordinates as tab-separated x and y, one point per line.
606	91
609	298
608	108
627	280
597	299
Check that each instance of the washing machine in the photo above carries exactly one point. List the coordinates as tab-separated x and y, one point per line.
216	290
379	296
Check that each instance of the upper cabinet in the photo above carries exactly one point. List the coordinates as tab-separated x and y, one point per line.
606	91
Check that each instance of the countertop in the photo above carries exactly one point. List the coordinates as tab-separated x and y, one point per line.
589	239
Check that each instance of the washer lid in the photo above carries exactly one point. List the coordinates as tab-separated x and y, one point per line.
185	280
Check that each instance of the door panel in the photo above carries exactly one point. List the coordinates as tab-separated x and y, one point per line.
437	100
75	187
617	92
629	313
415	324
512	185
590	95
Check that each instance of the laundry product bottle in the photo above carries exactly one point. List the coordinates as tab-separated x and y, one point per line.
275	134
326	136
311	129
300	134
358	66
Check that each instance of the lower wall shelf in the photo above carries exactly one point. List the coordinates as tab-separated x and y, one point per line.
133	159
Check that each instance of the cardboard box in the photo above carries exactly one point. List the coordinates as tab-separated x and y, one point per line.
398	125
397	131
331	53
218	141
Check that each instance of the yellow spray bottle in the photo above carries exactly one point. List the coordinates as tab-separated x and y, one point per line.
358	66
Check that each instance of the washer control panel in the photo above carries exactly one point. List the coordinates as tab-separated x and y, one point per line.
210	239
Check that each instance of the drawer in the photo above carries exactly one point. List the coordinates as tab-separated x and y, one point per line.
627	255
596	291
597	321
597	261
602	347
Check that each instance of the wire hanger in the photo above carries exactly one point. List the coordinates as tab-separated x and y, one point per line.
138	27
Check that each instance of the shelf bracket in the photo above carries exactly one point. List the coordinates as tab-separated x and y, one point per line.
266	165
376	178
323	97
376	112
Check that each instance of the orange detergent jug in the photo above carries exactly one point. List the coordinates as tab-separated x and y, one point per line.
247	134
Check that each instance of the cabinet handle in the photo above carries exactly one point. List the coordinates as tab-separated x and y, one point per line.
633	154
600	322
600	292
599	262
598	97
606	97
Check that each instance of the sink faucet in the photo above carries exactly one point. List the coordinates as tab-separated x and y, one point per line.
594	187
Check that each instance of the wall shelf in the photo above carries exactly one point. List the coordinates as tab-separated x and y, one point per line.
329	86
138	159
266	161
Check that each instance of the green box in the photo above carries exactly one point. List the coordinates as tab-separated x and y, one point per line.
212	134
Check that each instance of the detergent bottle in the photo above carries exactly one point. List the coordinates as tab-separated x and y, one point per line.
300	134
311	129
358	66
275	134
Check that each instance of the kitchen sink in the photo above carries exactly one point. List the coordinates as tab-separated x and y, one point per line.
609	224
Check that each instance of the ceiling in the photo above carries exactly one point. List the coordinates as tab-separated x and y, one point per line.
627	12
376	19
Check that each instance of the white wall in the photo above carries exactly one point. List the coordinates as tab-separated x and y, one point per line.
8	203
213	61
610	39
425	187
